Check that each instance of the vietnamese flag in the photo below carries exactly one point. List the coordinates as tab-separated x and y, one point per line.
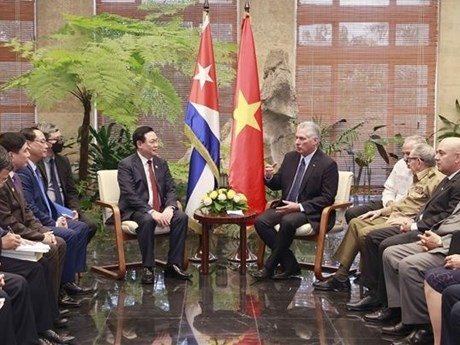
246	173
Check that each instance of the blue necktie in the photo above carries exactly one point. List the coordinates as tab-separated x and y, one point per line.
39	178
294	192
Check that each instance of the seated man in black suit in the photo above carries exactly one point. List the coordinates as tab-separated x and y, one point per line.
308	179
57	173
148	196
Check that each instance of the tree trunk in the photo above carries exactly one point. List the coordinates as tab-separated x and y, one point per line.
84	140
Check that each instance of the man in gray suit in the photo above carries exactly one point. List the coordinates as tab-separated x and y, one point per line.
148	196
405	266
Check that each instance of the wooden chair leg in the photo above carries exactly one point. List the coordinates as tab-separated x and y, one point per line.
260	253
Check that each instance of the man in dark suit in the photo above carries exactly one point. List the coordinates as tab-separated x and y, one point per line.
148	196
308	179
74	232
15	216
57	174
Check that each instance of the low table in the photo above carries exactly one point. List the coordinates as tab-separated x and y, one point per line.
208	220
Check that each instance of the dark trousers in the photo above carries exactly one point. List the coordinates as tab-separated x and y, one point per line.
92	226
17	291
7	333
356	211
372	275
55	258
76	238
42	296
450	327
279	241
146	237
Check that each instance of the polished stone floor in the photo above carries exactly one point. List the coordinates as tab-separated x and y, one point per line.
221	308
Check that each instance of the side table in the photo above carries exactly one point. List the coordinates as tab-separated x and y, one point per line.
208	220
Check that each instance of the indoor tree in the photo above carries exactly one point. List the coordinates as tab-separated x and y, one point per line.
115	64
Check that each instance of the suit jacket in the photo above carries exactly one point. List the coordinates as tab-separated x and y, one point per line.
15	214
65	176
441	204
34	197
318	188
134	193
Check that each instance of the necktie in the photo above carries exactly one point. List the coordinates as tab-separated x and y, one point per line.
39	178
55	183
153	182
16	182
294	192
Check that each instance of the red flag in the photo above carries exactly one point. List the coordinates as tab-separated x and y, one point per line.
246	173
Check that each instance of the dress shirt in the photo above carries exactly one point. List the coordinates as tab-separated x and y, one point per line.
147	176
398	183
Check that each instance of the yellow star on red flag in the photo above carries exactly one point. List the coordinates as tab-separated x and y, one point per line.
245	114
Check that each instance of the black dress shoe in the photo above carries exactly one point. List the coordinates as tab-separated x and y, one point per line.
63	312
74	289
261	274
287	274
370	302
384	315
399	329
333	284
60	322
43	341
421	336
147	276
173	271
56	338
65	301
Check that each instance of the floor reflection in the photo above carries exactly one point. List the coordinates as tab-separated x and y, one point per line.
221	308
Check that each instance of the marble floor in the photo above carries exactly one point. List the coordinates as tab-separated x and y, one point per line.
220	308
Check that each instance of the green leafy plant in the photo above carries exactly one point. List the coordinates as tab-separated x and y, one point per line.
334	140
108	146
375	144
450	128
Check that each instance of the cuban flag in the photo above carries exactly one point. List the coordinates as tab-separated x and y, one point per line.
202	124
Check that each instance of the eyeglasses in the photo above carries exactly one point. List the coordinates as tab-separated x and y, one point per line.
413	158
41	141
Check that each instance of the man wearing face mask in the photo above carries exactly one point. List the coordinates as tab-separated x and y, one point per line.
57	172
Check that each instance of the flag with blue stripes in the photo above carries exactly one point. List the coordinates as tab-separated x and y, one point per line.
202	124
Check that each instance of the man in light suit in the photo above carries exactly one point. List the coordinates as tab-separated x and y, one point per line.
308	179
55	164
148	196
405	266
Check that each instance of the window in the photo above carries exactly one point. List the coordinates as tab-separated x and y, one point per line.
368	60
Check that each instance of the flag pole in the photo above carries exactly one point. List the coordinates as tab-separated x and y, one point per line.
205	10
202	129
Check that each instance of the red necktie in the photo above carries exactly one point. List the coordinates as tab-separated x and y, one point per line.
153	182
